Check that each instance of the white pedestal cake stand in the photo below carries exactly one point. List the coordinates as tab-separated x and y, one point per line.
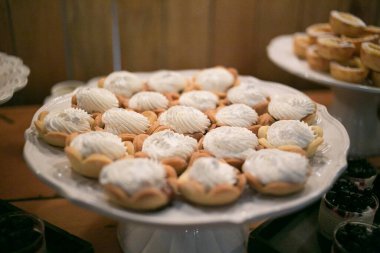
356	106
182	227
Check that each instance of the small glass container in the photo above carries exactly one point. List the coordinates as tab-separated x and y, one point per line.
352	237
361	173
22	233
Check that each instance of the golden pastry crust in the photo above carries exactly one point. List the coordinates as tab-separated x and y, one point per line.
371	29
318	30
315	61
147	199
375	77
273	188
309	151
57	139
89	166
352	71
346	24
358	41
370	56
334	48
300	43
221	194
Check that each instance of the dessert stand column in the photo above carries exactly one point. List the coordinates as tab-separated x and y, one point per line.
359	112
135	238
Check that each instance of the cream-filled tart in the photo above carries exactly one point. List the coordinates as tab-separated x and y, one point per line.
276	172
216	79
247	93
170	148
211	182
200	99
123	84
292	106
94	100
238	115
167	82
54	127
139	184
89	152
148	101
185	120
291	135
232	144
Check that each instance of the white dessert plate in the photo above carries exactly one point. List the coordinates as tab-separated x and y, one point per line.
280	51
51	166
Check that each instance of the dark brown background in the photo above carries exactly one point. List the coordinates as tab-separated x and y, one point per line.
71	39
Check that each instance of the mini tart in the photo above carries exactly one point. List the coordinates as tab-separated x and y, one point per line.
139	184
370	56
315	61
300	43
239	115
170	148
346	24
352	71
167	82
293	106
233	144
375	77
276	172
318	30
334	48
372	30
200	99
185	120
148	101
122	83
358	41
291	135
211	182
54	127
217	80
89	152
247	93
94	100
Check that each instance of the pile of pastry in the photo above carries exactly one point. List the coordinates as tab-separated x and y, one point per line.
345	47
198	138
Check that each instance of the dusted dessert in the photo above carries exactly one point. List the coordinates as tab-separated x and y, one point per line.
276	172
167	82
94	100
200	99
139	184
239	115
55	126
148	101
211	182
122	83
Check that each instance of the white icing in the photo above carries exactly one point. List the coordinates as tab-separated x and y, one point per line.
246	93
69	120
118	120
133	175
216	79
290	132
184	119
201	99
230	142
148	100
211	172
96	99
290	106
167	81
167	143
273	165
238	115
123	83
98	142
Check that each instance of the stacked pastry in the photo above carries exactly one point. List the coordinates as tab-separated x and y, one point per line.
345	47
199	139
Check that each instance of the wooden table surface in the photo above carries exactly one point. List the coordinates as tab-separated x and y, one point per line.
21	187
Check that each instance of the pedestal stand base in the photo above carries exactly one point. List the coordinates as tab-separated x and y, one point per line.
135	238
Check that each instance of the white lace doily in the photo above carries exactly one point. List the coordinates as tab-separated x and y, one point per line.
13	76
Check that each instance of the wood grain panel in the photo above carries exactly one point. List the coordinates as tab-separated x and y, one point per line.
38	36
366	10
5	29
140	23
186	34
89	37
234	41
